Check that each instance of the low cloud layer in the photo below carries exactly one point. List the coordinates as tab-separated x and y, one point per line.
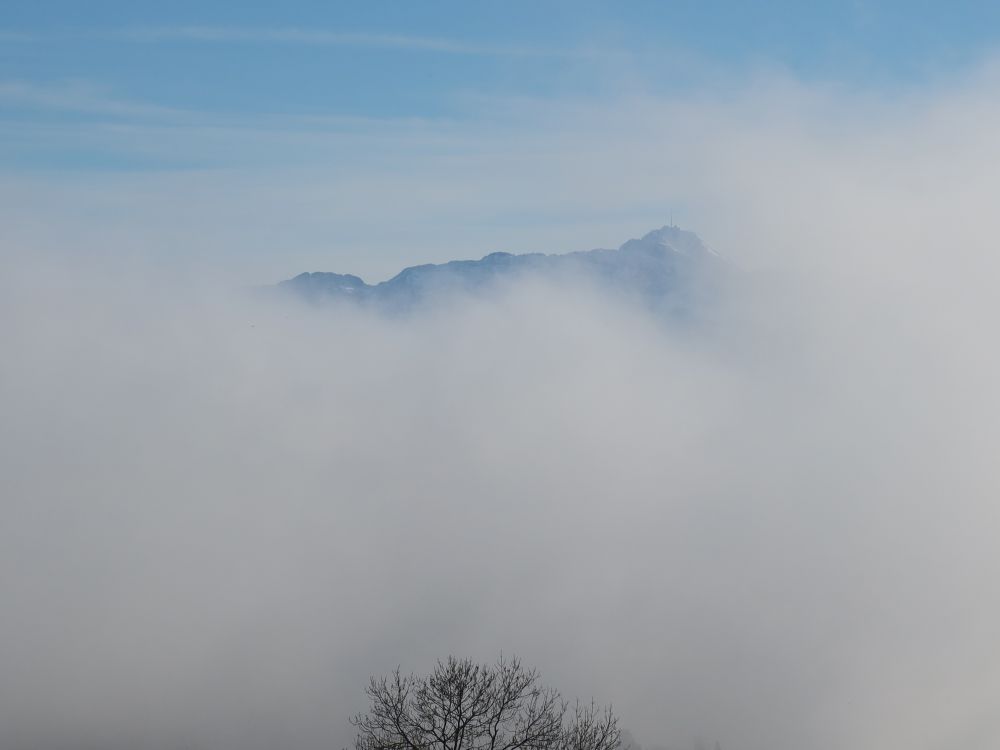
776	531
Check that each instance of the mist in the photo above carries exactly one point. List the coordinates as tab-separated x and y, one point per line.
774	530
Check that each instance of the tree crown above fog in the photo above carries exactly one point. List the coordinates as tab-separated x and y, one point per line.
462	705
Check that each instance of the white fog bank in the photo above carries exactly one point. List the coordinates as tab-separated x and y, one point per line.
220	517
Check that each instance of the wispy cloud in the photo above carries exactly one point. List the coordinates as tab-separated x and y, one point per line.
303	36
80	97
326	37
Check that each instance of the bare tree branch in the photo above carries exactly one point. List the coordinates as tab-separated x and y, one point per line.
466	706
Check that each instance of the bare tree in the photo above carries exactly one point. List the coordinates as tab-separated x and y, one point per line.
465	706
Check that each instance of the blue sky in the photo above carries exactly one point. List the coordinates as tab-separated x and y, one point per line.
354	94
145	60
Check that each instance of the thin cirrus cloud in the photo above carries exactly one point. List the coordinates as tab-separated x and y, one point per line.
89	97
329	37
80	97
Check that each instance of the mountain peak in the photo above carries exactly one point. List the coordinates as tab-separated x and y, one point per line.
669	238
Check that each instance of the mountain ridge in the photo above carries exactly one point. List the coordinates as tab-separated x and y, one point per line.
664	267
